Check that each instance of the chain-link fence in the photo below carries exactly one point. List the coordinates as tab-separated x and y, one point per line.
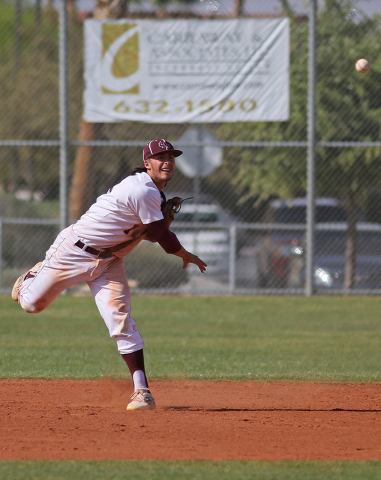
285	202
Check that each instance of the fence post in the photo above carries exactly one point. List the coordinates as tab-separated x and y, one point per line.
232	257
311	148
63	113
1	252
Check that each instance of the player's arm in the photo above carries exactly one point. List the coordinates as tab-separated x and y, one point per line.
170	243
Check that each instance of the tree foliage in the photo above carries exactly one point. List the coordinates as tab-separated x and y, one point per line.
348	110
30	98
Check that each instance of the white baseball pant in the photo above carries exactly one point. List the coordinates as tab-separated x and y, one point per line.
66	265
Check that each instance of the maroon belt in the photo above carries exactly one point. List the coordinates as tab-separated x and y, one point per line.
93	251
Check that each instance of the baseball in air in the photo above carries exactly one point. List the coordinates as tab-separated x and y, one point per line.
362	65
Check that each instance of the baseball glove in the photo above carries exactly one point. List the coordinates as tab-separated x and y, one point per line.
171	207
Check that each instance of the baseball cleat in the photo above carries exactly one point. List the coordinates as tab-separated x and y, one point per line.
17	286
142	400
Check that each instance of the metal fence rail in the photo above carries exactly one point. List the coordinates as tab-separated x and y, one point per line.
238	264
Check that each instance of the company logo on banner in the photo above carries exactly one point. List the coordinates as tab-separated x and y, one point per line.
120	59
169	71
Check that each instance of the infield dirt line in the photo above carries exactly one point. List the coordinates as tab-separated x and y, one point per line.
73	419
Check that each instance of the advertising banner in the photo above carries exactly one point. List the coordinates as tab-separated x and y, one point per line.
175	71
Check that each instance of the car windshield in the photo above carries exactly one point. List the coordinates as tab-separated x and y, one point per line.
324	213
334	243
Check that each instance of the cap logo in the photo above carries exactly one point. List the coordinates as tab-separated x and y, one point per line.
160	145
165	144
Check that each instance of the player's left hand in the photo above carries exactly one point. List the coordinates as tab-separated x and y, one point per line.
196	261
171	207
190	258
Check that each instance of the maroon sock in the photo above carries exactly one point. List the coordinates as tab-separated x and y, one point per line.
135	361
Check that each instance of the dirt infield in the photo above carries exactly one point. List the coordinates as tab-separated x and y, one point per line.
63	419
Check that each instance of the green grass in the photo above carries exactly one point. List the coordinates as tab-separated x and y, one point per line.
197	470
214	338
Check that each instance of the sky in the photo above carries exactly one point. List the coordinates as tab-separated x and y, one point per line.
260	7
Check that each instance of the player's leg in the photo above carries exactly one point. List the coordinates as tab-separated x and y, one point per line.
135	364
112	296
64	266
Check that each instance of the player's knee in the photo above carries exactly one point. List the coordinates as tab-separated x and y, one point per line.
33	310
129	344
32	307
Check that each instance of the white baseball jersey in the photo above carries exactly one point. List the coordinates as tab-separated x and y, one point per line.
119	216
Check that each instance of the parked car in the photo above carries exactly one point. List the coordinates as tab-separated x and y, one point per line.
295	211
281	253
203	230
330	257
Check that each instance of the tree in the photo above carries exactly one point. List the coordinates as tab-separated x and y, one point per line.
348	109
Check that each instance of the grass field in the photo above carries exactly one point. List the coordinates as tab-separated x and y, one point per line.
216	338
329	339
196	470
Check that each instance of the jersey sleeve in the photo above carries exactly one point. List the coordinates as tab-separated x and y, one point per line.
147	204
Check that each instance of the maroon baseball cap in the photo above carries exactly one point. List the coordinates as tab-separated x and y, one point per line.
159	146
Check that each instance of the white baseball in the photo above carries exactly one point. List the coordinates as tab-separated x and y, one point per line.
362	65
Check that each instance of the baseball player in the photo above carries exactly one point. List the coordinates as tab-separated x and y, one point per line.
92	250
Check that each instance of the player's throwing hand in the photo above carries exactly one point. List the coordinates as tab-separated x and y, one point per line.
191	258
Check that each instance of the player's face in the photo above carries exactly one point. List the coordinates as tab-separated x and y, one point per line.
161	168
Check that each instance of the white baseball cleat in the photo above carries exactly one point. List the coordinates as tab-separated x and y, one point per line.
142	400
17	286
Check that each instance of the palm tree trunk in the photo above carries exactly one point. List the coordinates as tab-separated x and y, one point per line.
238	8
80	176
112	9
